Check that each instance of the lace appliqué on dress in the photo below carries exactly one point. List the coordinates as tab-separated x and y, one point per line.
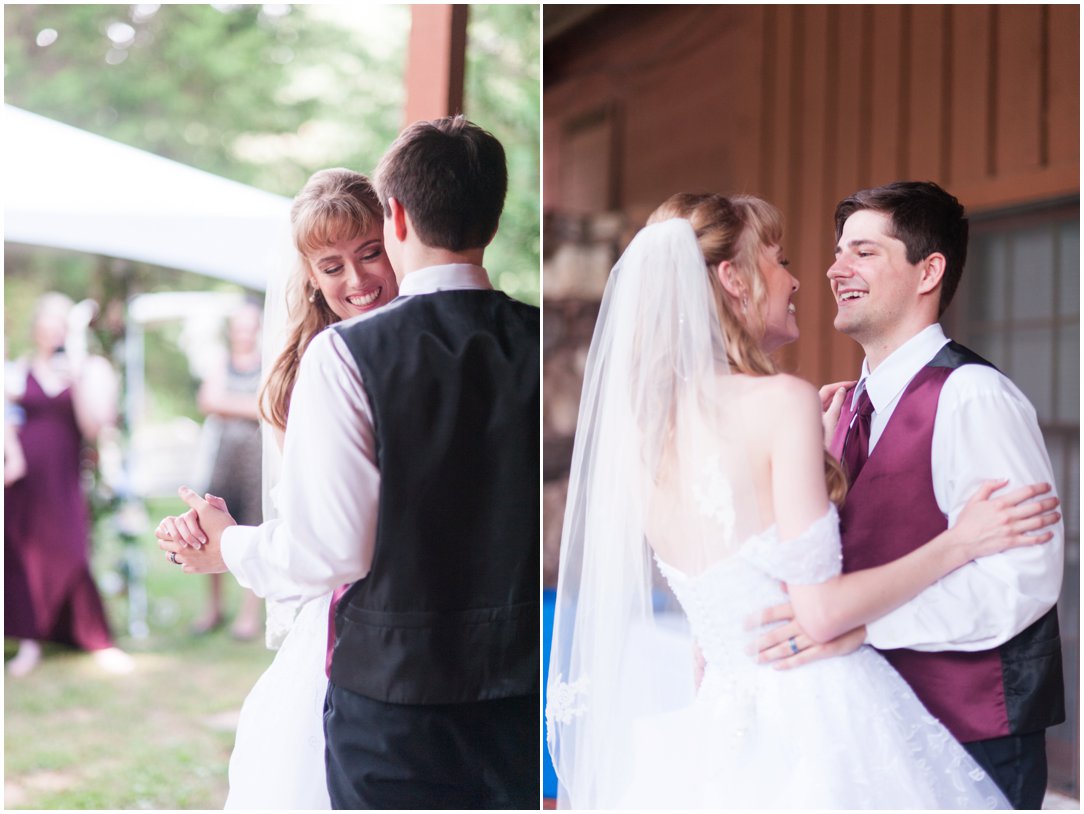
279	622
562	700
714	496
813	556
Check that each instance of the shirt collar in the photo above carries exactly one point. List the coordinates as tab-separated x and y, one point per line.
449	277
892	375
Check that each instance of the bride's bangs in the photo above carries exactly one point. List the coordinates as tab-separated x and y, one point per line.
763	227
331	221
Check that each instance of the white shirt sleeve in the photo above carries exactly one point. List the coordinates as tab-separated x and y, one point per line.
329	492
985	429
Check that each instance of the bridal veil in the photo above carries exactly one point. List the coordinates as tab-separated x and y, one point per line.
659	428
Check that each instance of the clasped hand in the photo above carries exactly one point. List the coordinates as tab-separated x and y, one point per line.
193	540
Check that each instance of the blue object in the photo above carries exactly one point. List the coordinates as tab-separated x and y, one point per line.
549	776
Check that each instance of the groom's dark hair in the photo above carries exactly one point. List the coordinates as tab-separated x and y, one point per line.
450	176
925	218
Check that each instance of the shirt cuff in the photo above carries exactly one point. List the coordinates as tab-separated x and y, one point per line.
235	545
883	635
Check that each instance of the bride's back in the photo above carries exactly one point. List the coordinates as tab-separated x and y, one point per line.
712	487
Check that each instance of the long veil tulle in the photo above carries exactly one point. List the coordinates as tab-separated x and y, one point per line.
659	426
280	614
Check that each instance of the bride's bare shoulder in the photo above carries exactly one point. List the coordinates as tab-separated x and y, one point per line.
781	396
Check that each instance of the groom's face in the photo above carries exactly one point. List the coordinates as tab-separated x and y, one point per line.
875	288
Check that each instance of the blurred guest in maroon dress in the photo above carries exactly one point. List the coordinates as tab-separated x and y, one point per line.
66	397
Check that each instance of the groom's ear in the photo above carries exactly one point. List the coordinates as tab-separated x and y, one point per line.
397	216
933	270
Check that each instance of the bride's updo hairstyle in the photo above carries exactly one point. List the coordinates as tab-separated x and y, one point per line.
335	204
735	229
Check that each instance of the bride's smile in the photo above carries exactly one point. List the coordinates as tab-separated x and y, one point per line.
354	275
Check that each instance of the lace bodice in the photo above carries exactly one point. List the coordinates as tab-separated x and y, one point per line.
718	600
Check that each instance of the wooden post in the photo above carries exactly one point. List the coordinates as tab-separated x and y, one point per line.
436	58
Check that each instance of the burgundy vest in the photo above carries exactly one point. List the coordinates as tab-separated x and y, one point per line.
891	510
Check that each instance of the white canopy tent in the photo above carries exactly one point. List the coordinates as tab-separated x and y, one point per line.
66	188
70	189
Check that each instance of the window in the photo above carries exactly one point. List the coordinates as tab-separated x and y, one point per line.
1018	305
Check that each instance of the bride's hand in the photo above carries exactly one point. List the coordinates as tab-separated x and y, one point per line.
184	528
832	396
786	645
989	525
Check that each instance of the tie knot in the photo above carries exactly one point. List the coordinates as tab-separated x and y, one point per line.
865	406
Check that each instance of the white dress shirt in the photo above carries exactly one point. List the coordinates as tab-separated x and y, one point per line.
330	487
984	429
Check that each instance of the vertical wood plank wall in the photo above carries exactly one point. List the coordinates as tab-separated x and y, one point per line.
805	104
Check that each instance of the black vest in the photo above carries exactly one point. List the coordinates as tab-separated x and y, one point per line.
449	612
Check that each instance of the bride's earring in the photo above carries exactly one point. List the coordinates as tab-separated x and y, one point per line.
744	303
312	294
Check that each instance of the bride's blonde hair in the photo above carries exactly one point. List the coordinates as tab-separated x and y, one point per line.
335	204
736	229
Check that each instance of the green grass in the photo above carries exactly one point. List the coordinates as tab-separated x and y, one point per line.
76	737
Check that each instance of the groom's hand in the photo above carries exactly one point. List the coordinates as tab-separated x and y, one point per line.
213	520
786	645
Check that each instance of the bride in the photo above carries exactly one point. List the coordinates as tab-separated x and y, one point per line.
342	271
697	466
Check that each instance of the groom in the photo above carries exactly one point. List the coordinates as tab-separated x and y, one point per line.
410	469
927	423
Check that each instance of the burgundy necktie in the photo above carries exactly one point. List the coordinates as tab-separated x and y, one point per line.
856	447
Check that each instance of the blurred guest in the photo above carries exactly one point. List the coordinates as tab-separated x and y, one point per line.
14	460
67	397
229	398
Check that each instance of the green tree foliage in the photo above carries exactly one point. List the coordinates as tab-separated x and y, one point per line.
502	95
266	95
236	90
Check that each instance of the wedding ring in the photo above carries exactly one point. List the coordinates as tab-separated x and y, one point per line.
173	559
793	645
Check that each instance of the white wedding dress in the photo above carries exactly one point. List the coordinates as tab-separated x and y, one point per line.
840	733
278	756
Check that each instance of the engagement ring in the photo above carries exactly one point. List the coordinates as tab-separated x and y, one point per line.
793	645
173	559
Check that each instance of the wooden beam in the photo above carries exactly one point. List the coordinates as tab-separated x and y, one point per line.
436	59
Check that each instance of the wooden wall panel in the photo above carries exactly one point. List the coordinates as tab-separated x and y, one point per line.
780	183
969	109
926	60
587	181
847	103
1019	88
551	164
811	169
887	83
749	102
850	107
1063	83
804	104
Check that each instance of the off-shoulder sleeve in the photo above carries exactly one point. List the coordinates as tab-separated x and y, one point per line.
813	556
